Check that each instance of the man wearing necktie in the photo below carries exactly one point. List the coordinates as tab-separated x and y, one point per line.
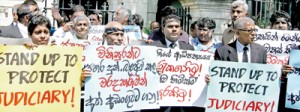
172	29
243	49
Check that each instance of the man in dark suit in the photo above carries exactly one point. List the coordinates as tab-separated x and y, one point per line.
172	29
18	30
243	47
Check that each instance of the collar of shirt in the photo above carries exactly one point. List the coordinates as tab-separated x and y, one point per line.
199	46
23	30
169	42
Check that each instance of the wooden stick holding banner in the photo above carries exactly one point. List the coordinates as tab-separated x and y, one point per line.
182	80
123	78
278	44
246	87
46	78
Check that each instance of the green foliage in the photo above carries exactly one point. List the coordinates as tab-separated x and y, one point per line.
263	23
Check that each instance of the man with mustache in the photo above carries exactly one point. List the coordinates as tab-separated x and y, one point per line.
243	49
114	33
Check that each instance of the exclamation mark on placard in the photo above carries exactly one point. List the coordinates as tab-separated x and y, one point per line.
157	96
200	69
190	95
272	106
72	99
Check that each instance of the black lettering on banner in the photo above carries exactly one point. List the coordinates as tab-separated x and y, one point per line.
184	54
289	47
98	68
162	53
228	72
151	67
272	49
296	70
50	58
151	97
19	58
255	74
293	98
251	88
71	60
94	101
288	38
163	78
266	36
136	67
131	30
181	79
114	99
95	30
272	75
27	77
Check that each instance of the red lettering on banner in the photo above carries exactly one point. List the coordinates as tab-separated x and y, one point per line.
109	53
95	38
68	43
189	66
37	97
272	59
240	105
175	92
131	81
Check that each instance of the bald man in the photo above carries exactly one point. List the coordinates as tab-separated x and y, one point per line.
114	33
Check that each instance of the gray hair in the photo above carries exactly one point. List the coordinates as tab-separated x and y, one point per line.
80	18
126	12
239	23
238	3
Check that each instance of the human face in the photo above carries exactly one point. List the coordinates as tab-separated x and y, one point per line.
237	12
119	17
154	26
204	34
280	24
81	28
94	20
172	30
246	35
115	38
40	35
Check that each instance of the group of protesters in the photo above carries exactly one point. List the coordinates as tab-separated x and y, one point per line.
237	43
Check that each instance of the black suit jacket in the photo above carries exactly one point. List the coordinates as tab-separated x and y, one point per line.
182	45
11	31
229	53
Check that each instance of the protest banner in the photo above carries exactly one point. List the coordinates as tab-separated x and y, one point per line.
46	79
96	33
75	42
243	87
13	41
133	32
293	89
182	80
123	78
278	44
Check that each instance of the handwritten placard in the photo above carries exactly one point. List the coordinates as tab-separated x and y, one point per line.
75	42
124	78
133	32
182	80
96	33
293	90
278	44
243	87
14	41
45	79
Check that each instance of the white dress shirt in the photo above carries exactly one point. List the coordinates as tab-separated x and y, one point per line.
23	30
240	51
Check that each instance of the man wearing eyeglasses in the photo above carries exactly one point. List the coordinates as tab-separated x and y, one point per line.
243	49
114	34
